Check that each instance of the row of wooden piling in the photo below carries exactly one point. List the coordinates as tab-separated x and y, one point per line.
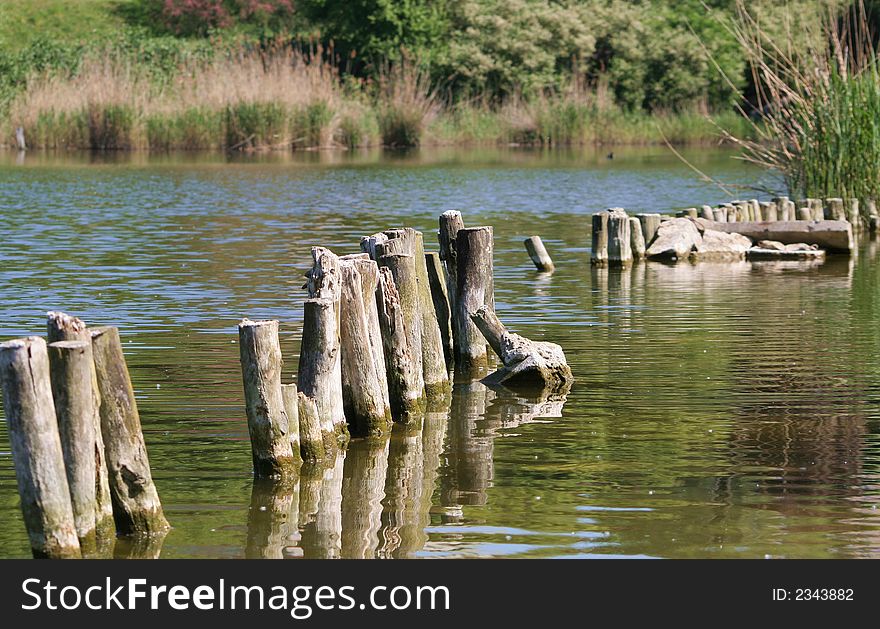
382	329
77	445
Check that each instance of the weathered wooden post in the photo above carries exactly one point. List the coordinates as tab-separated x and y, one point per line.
320	369
637	239
76	408
619	239
19	139
804	214
599	247
852	214
63	327
290	397
720	214
835	209
310	435
268	423
36	449
136	506
768	211
707	213
475	288
433	361
650	224
450	223
403	272
440	296
363	398
405	384
538	253
369	277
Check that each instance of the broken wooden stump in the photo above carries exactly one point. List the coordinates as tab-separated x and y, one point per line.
450	224
611	240
440	297
599	236
405	385
475	288
538	254
527	364
268	423
403	276
650	224
637	239
76	409
64	327
363	395
36	449
136	506
320	369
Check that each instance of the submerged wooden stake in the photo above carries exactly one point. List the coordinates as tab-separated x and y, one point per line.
76	408
637	238
289	396
599	247
405	385
36	449
136	506
310	436
362	392
475	288
440	296
63	327
538	253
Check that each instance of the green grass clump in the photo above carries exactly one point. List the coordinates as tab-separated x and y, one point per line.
255	125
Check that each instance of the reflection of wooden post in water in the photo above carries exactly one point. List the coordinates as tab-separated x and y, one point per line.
363	487
401	530
273	519
140	546
469	462
310	477
322	539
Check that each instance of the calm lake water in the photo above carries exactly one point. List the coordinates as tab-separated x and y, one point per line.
720	410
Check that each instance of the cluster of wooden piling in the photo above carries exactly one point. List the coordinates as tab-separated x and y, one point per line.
381	331
785	210
80	459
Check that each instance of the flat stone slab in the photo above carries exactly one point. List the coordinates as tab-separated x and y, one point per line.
829	235
717	245
757	253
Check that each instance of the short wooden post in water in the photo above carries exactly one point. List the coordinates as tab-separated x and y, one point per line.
650	224
403	272
405	384
804	214
63	327
320	371
433	362
324	283
450	223
290	397
599	247
136	506
311	440
836	209
706	212
852	213
362	394
538	253
440	296
619	239
268	423
76	408
36	449
475	287
637	239
720	215
369	275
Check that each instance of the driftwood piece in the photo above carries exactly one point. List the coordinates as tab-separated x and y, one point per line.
76	408
136	506
36	449
405	384
64	327
527	364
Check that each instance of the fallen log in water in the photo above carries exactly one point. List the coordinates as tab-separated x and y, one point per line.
536	365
